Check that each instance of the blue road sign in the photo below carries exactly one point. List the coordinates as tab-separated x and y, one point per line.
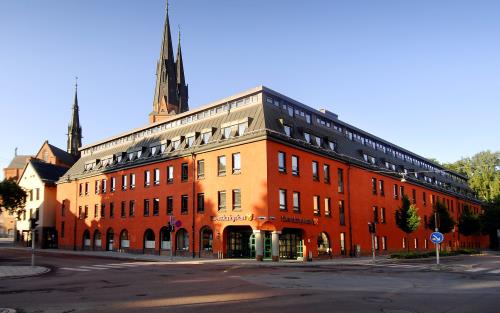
437	237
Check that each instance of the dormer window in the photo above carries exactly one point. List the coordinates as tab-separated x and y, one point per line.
139	153
190	141
308	118
154	150
118	158
288	130
331	145
318	141
242	127
369	158
176	144
131	156
226	132
307	137
162	148
205	137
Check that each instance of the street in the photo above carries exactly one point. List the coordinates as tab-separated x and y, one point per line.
79	283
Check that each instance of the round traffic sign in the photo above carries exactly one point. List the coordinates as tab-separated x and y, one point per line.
437	237
178	223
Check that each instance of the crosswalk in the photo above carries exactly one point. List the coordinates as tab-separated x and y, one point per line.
469	269
483	270
110	266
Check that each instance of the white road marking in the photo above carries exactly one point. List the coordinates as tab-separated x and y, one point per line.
494	272
94	267
74	269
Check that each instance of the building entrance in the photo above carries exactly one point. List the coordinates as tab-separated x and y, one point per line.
291	244
268	246
240	242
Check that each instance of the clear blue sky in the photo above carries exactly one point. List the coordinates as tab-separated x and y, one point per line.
422	74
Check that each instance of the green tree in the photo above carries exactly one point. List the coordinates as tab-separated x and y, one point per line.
490	221
12	196
445	221
483	170
407	218
469	223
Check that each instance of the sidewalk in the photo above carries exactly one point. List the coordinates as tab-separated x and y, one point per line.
196	260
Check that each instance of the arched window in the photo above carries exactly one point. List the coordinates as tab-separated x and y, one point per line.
86	238
97	239
124	241
182	240
149	239
110	239
206	239
165	243
323	244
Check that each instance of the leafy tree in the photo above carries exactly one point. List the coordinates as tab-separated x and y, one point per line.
469	223
407	218
483	170
11	195
490	221
445	221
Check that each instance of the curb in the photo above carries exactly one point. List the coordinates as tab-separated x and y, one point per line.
44	271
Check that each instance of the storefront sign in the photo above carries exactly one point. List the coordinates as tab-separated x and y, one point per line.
232	218
299	220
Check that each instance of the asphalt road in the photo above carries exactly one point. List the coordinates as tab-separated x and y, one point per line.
90	284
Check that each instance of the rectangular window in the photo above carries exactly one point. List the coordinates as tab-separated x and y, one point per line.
401	191
190	141
341	212
296	201
288	130
282	162
200	169
123	209
222	200
85	212
374	186
381	187
124	182
156	206
201	203
184	204
111	209
38	191
295	165
62	229
384	242
342	244
404	242
96	187
221	165
415	243
424	198
382	215
170	174
282	198
156	176
340	173
236	163
375	214
326	173
375	242
103	210
131	208
328	207
96	211
395	191
425	244
315	170
113	184
241	128
146	207
226	132
316	205
414	196
31	193
147	178
103	186
170	205
236	199
205	138
184	172
132	181
86	189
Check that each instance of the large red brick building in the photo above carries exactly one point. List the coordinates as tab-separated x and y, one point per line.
256	175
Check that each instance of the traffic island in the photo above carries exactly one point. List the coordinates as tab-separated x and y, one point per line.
22	271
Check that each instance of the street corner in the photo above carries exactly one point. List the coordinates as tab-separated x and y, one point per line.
22	271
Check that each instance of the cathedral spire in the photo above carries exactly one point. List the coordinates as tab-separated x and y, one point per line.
169	98
74	127
182	89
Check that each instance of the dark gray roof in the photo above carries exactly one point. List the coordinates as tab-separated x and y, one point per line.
48	173
19	161
62	155
265	122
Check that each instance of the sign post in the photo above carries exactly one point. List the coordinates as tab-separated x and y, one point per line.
171	229
437	238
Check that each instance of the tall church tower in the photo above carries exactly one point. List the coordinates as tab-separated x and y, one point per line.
74	128
171	91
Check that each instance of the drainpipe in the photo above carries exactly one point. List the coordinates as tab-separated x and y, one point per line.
349	206
193	158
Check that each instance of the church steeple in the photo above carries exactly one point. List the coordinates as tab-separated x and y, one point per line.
182	88
169	98
74	127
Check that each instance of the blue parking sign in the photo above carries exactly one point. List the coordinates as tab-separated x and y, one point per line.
437	237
